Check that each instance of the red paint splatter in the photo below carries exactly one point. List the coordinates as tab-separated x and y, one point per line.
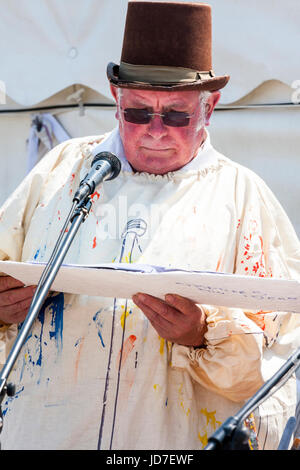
255	267
127	348
71	181
94	242
258	318
95	196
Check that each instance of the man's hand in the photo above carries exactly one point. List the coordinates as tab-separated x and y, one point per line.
177	319
15	299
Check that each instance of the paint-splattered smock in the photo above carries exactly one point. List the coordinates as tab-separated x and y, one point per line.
94	373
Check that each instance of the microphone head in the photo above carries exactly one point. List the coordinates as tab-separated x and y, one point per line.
112	159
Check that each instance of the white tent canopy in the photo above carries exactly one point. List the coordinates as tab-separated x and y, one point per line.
54	53
48	45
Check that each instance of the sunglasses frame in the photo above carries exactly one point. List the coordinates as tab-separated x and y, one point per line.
162	115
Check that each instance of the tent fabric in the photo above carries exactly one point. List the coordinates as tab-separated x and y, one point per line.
20	147
44	128
266	141
62	43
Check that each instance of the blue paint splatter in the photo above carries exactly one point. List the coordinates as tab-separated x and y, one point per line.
41	318
78	342
57	308
7	403
99	325
40	254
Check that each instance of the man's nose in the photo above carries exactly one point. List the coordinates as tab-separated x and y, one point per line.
156	127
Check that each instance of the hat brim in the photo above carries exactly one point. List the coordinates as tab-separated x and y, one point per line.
211	84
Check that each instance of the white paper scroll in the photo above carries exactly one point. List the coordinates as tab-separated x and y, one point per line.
124	280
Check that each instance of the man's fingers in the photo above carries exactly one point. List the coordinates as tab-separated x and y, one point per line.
178	319
161	325
8	282
17	317
13	296
184	305
10	310
158	306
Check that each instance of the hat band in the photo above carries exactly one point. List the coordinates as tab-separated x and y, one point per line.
157	74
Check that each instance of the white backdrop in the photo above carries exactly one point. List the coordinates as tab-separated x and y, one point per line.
55	53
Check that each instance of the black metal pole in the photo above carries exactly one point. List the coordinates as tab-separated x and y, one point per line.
224	435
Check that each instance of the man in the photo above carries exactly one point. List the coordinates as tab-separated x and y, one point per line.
148	373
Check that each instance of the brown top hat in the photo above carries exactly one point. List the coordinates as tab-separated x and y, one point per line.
166	46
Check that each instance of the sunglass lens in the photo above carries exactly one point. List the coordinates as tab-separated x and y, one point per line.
136	116
176	119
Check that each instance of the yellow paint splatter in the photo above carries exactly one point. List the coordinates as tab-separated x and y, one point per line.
187	412
126	258
124	315
156	386
211	424
162	345
203	439
210	417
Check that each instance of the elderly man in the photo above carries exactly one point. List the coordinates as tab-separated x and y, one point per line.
146	373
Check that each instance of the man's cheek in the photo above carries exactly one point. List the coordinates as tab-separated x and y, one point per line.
131	134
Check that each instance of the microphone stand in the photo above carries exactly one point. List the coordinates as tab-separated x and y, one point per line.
232	435
77	215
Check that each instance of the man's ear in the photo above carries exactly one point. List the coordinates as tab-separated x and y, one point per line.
210	105
114	92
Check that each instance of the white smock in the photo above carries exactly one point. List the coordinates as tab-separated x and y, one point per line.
94	373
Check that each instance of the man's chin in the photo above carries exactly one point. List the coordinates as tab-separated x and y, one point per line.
154	169
158	164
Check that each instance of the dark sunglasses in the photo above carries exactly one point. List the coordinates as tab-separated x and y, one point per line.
169	118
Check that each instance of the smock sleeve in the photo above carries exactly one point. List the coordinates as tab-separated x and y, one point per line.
231	361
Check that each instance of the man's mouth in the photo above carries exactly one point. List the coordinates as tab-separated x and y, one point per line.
161	150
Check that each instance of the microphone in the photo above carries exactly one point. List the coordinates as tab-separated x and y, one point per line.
105	166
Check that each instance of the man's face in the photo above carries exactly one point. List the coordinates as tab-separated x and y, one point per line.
155	147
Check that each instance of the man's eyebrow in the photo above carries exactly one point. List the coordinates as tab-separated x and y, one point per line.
137	102
140	102
182	104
